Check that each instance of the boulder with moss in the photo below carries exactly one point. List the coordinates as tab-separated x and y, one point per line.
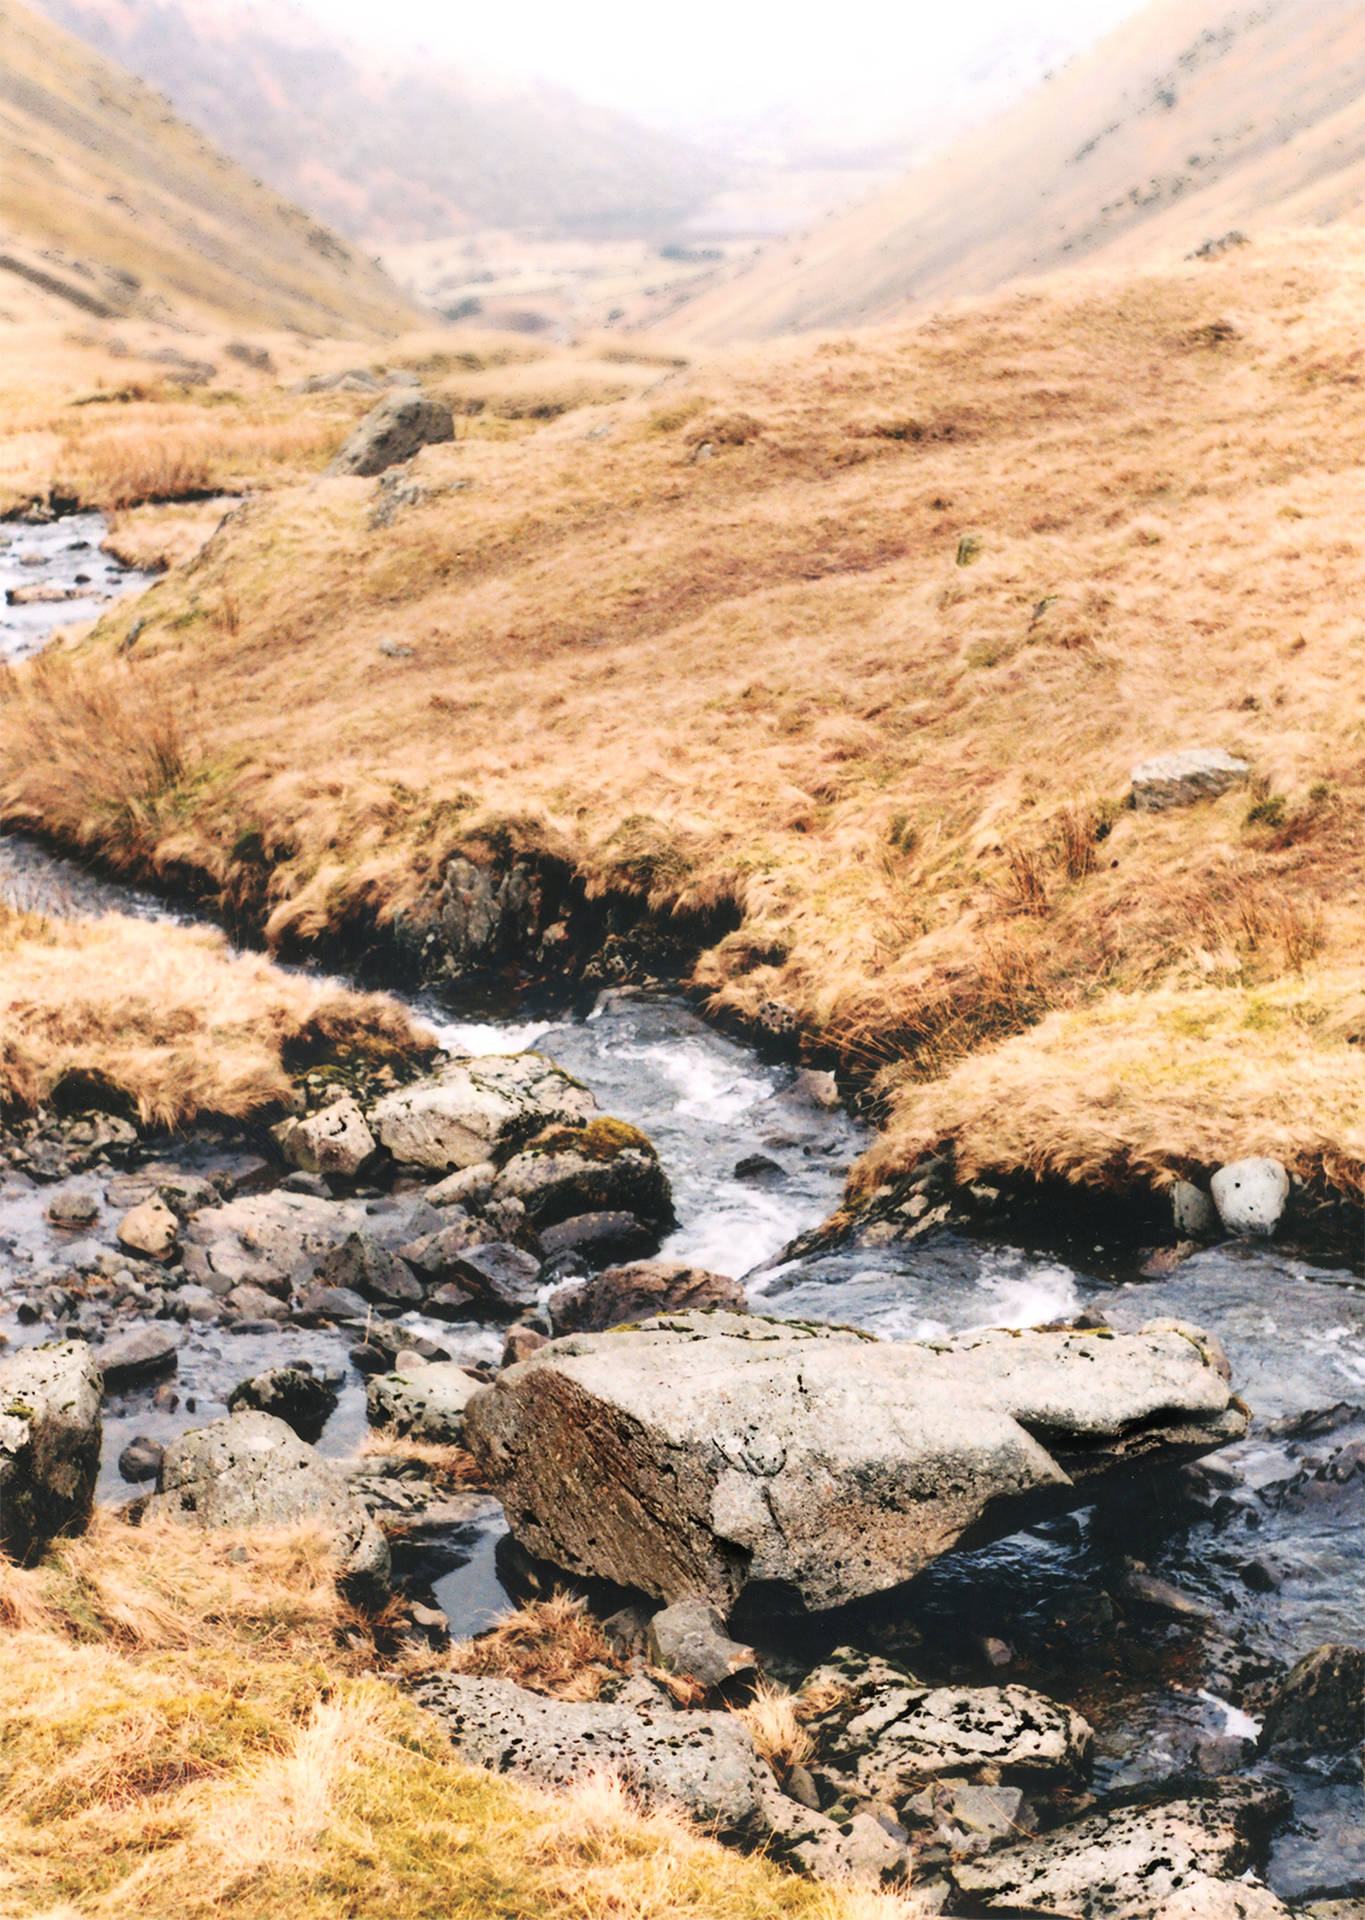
478	1110
605	1166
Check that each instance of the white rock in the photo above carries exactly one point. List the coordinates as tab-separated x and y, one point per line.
1194	1214
334	1140
1251	1195
1179	779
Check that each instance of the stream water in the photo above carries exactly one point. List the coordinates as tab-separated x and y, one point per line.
1262	1545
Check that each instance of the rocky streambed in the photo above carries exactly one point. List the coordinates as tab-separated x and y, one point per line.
1046	1541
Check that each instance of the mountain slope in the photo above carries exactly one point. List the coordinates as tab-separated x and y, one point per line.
111	206
1193	118
407	154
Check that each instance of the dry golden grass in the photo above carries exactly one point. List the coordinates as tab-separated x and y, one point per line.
450	1469
187	1734
877	671
168	1022
773	1717
552	1646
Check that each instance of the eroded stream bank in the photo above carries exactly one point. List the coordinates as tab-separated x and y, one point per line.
1160	1616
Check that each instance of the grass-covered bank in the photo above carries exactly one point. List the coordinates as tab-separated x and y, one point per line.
864	635
193	1725
167	1024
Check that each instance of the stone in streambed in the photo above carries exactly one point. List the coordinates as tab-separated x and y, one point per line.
304	1400
74	1210
251	1470
700	1452
50	1437
887	1732
150	1229
638	1292
689	1637
1192	1211
1127	1863
436	1255
334	1140
363	1266
598	1236
476	1111
423	1403
1319	1707
142	1355
140	1459
606	1166
1251	1195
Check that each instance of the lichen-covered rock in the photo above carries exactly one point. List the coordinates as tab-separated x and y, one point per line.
638	1292
1179	779
425	1403
606	1166
1126	1864
303	1399
251	1470
478	1110
702	1452
889	1733
49	1442
400	426
703	1764
334	1140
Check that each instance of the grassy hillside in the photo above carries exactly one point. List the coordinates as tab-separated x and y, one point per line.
864	635
393	151
112	206
195	1725
1195	118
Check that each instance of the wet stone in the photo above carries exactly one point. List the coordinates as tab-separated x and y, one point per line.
363	1266
134	1359
303	1399
141	1460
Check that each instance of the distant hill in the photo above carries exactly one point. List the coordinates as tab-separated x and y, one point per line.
112	206
394	154
1194	118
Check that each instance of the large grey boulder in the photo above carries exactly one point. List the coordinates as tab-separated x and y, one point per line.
699	1453
703	1764
402	424
1127	1864
889	1733
251	1470
423	1403
1179	779
478	1110
1250	1195
49	1442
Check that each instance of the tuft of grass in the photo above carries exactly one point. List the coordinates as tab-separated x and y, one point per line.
552	1646
773	1717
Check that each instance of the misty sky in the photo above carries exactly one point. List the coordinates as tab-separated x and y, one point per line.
710	59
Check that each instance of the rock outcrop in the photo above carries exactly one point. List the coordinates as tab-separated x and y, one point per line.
703	1764
49	1442
1179	779
708	1452
606	1166
1127	1864
400	426
251	1470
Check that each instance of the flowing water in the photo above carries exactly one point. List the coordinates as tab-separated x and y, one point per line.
60	557
1262	1544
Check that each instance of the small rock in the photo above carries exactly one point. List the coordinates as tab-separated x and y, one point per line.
304	1400
363	1266
140	1459
597	1235
150	1229
313	1184
501	1279
1319	1707
635	1292
254	1304
689	1637
468	1187
397	428
1179	779
334	1140
426	1404
74	1210
133	1359
817	1089
318	1304
1251	1195
1194	1215
522	1341
1162	1597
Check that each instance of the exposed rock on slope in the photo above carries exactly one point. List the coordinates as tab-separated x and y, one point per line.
704	1453
49	1442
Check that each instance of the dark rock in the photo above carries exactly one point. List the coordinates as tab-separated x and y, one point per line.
304	1400
450	1301
318	1304
596	1235
522	1341
1319	1707
141	1459
603	1167
313	1184
502	1279
689	1637
435	1254
362	1266
254	1304
637	1292
757	1170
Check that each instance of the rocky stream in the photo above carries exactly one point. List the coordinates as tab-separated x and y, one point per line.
1097	1565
